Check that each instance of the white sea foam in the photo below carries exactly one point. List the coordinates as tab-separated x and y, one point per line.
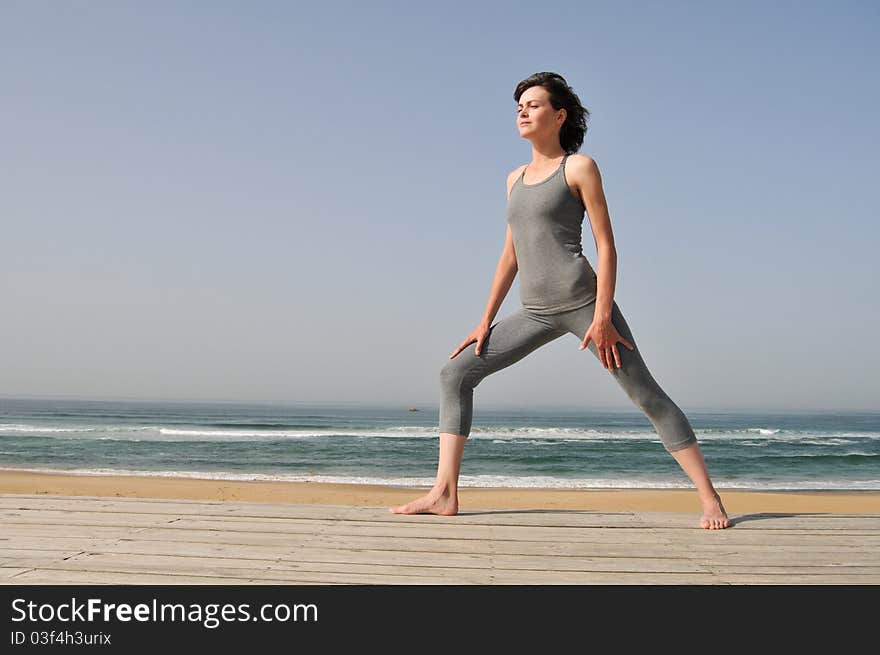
826	442
18	427
499	434
159	433
244	435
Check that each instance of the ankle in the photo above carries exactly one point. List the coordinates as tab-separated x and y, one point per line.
444	488
708	496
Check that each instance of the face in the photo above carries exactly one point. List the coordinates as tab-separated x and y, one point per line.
535	115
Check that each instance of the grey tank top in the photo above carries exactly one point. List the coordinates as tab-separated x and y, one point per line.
546	221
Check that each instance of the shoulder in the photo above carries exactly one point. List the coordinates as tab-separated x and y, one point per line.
582	173
582	164
512	177
514	174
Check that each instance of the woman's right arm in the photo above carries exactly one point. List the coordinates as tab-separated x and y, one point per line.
505	271
507	265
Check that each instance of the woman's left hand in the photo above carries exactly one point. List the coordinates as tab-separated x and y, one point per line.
605	336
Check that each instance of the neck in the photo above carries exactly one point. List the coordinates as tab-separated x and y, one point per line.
545	153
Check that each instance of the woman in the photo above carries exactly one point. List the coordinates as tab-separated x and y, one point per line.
560	293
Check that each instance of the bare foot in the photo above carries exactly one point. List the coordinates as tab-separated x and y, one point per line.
714	517
437	501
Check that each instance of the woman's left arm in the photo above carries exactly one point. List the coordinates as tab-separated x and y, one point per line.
584	172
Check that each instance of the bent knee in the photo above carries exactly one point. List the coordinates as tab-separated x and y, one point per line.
459	372
451	371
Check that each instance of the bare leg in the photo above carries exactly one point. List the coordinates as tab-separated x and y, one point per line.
691	461
443	497
508	341
670	422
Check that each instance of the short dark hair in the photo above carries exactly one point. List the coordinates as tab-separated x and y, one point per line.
562	96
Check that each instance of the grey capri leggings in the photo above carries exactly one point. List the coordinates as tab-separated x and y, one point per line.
520	333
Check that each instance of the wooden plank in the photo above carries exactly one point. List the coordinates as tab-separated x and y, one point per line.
248	511
316	512
597	564
549	520
62	519
175	530
42	555
783	559
48	532
261	555
314	554
428	547
243	551
444	522
449	531
395	563
43	532
795	578
730	537
866	572
86	572
41	544
281	569
791	550
697	539
572	518
50	576
248	569
768	520
602	577
9	572
598	540
372	513
404	552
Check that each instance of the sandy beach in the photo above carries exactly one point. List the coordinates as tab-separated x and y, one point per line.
644	500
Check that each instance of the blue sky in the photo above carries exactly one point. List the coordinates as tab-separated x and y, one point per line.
306	202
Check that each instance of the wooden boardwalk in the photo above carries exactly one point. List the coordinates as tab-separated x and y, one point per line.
99	540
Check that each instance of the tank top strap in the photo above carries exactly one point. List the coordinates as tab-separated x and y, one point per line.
561	170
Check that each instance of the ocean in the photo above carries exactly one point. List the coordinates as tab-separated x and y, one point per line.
395	446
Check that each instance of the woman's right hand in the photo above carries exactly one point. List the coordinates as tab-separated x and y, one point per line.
478	334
